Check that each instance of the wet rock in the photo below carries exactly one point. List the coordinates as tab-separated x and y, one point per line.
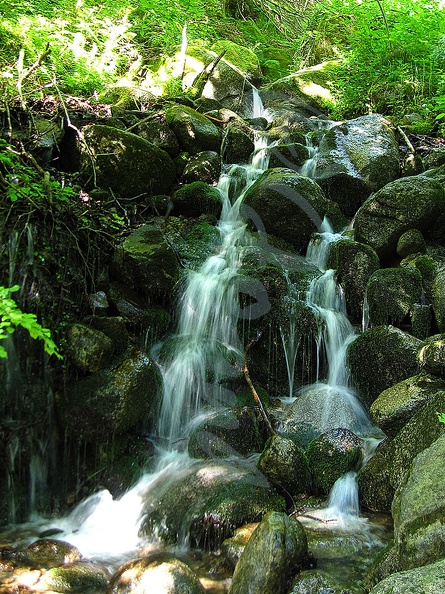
391	295
112	400
237	145
125	162
411	242
48	552
432	355
331	455
388	468
207	500
89	349
204	166
160	135
380	358
421	319
429	578
233	547
160	572
99	303
196	198
289	205
194	131
194	240
319	408
316	581
285	465
233	432
395	406
438	300
146	263
78	578
274	553
354	263
115	328
415	201
291	156
417	509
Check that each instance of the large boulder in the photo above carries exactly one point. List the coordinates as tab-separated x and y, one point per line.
274	554
146	263
128	164
289	205
112	400
204	166
392	294
381	357
206	500
394	407
88	349
438	300
355	158
406	203
195	132
159	572
81	576
427	579
354	263
196	198
417	509
432	355
388	468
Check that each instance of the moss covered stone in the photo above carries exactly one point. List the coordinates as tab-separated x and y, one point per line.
76	578
48	552
432	355
354	263
289	205
204	166
273	555
406	203
194	131
291	156
331	455
206	501
429	578
197	198
391	295
381	357
411	242
89	349
285	465
438	300
237	145
396	405
126	163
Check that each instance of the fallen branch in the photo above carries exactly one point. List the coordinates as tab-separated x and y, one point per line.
254	392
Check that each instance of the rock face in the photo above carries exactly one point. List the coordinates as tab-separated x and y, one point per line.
438	300
432	355
161	573
274	553
126	163
207	500
89	349
289	205
380	358
405	203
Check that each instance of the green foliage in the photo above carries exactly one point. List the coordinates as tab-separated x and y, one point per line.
441	417
11	317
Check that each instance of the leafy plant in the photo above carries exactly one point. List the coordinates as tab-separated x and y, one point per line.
11	317
441	417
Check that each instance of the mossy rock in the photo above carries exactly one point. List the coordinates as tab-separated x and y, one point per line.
237	145
76	577
206	501
149	573
291	155
125	162
330	456
195	199
396	405
205	166
411	242
233	432
289	205
432	355
438	300
354	263
428	578
274	554
194	240
403	204
285	465
381	357
194	131
391	295
243	58
388	468
48	552
89	349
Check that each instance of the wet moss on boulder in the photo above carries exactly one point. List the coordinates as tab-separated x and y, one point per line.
76	577
391	295
194	131
88	349
331	455
381	357
411	242
195	199
432	355
438	300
